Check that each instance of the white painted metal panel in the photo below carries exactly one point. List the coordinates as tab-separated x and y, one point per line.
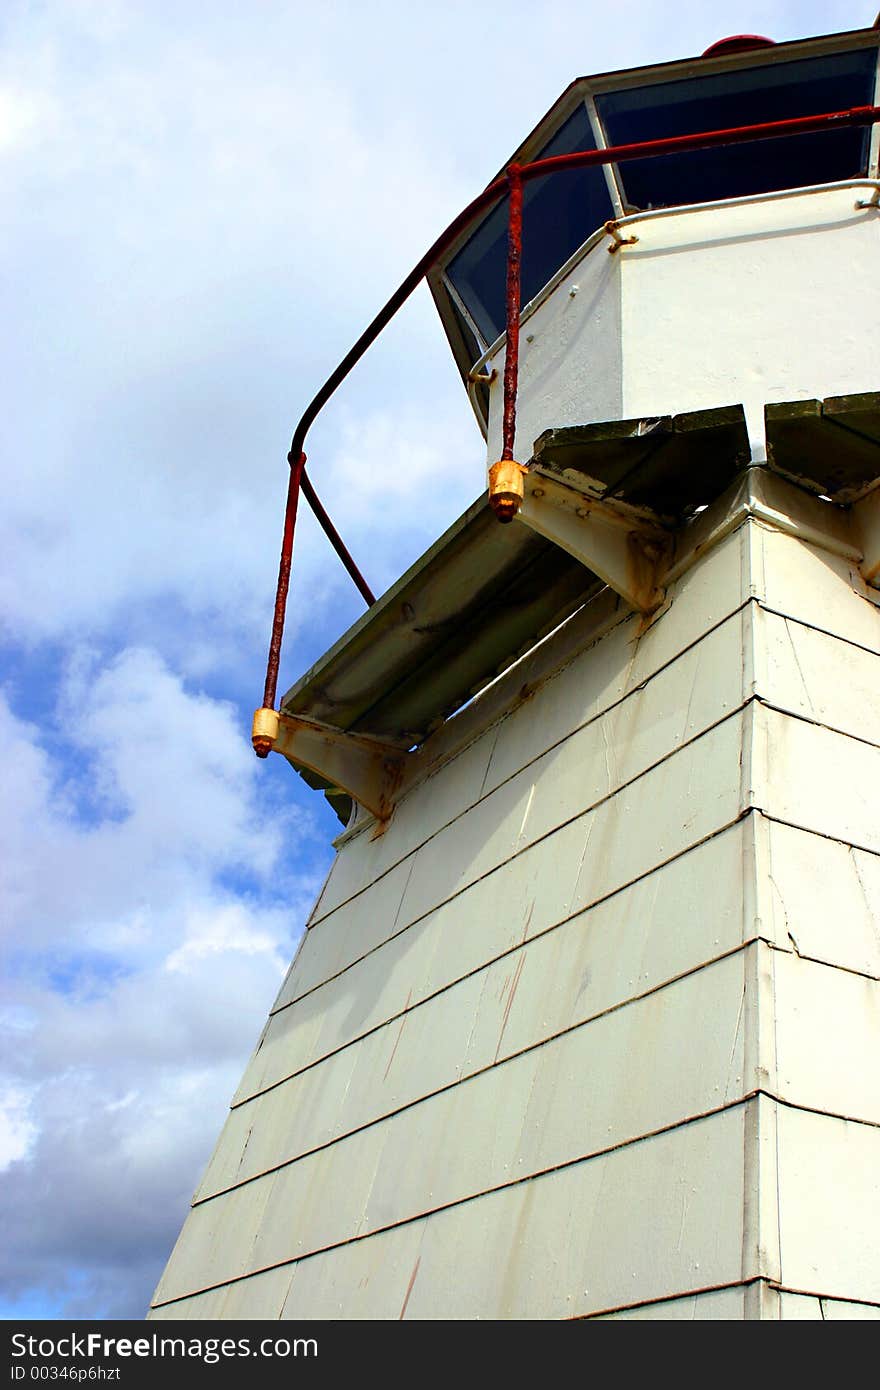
521	899
651	1219
470	847
700	790
573	867
225	1164
701	599
364	1280
819	896
815	587
820	677
634	1069
816	779
704	595
195	1308
626	1074
690	695
576	866
569	365
655	1219
689	912
721	1305
277	1128
795	1307
438	799
284	1033
371	917
827	1038
697	780
829	1205
616	670
687	275
837	1310
260	1297
213	1245
809	1308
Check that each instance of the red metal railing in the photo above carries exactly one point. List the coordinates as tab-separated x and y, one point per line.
511	183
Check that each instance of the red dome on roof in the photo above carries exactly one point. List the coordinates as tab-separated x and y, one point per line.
737	43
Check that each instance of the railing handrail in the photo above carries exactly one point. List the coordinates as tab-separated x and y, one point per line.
612	154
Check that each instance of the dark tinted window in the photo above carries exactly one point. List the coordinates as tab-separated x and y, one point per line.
559	213
766	93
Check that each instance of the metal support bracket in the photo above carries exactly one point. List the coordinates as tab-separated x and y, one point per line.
867	521
623	545
618	241
370	769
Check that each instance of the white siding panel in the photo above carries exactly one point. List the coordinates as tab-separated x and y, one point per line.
700	792
796	1307
707	593
829	1205
585	861
817	779
837	1310
365	1280
615	1079
203	1305
817	676
225	1164
700	600
816	587
259	1297
827	1038
721	1305
215	1243
696	691
648	1221
821	896
614	670
687	913
371	917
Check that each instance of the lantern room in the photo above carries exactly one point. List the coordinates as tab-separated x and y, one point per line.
744	271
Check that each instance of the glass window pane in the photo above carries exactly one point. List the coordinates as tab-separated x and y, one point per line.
559	213
771	92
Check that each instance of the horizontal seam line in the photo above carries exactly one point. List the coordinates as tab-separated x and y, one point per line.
674	1297
818	960
473	1196
828	1297
579	815
482	1071
484	965
547	931
608	709
816	723
684	1123
822	834
814	627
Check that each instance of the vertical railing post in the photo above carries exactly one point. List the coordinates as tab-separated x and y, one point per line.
506	476
265	728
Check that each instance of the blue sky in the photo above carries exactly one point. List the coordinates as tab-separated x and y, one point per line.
201	205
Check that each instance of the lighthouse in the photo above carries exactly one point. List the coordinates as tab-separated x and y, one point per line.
586	1019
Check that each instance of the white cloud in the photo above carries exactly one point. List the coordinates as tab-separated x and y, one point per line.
139	972
17	1129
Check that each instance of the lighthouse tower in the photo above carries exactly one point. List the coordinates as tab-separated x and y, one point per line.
586	1020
